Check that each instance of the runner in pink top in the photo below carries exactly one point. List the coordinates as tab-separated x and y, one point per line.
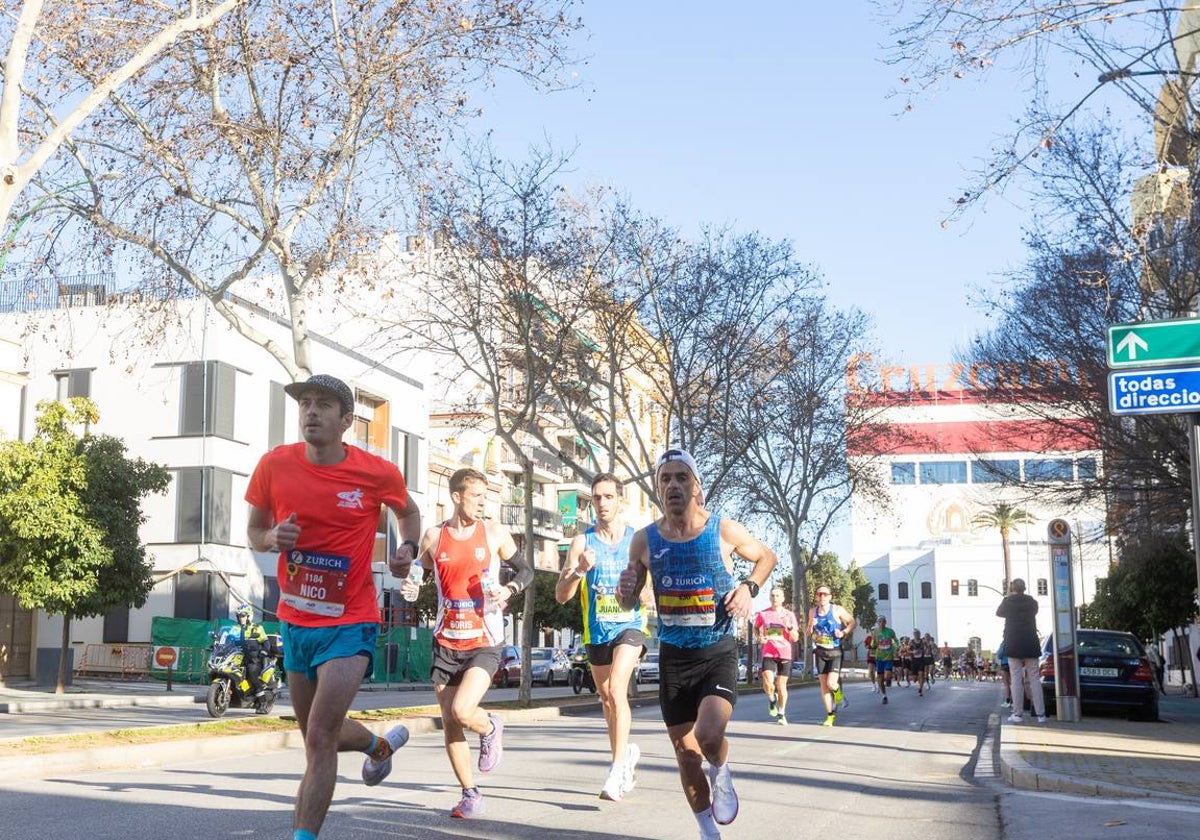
776	629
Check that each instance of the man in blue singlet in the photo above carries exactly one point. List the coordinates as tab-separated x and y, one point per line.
615	636
688	555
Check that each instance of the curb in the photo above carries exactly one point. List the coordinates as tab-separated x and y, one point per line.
1018	773
162	753
123	702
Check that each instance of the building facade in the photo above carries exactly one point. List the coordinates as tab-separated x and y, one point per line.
202	400
949	454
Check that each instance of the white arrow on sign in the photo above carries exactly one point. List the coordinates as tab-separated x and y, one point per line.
1131	342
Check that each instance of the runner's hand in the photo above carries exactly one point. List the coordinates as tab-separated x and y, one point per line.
287	533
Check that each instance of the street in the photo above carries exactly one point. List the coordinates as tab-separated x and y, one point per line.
917	768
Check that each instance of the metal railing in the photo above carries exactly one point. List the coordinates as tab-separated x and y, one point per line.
513	516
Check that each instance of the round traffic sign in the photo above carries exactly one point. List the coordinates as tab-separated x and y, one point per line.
165	657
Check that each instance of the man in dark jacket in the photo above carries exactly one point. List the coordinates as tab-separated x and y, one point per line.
1019	612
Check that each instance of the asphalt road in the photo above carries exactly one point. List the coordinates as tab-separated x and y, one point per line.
917	768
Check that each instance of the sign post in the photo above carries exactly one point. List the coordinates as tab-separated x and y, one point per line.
165	656
1066	665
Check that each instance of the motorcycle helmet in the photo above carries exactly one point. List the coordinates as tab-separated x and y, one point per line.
245	610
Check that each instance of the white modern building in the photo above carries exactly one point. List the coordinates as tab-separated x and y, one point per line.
185	390
947	455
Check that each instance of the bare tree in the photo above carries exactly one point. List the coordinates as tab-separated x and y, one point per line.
264	157
1143	51
499	306
797	428
62	64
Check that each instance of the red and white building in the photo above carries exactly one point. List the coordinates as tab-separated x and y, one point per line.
948	452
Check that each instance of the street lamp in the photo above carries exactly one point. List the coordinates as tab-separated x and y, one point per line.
912	590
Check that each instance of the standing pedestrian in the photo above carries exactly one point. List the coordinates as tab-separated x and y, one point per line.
776	629
1156	662
688	555
615	637
869	643
886	644
317	504
465	552
1019	612
828	624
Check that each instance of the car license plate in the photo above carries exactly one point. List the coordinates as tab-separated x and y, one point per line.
1097	672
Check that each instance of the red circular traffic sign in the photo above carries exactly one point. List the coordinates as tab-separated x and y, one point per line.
165	657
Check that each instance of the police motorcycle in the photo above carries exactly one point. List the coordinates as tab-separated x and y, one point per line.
228	685
580	676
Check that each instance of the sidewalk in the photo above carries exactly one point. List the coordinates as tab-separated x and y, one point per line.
1108	756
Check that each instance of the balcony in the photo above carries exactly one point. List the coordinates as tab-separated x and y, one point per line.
547	524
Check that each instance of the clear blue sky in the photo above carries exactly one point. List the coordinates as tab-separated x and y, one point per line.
774	115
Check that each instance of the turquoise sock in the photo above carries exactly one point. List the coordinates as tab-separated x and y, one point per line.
369	750
303	834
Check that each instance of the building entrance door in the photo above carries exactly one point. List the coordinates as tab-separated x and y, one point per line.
16	640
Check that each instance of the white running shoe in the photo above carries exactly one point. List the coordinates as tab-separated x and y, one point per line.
614	785
374	772
1015	718
632	755
724	797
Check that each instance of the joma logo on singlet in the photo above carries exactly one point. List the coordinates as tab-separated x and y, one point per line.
350	499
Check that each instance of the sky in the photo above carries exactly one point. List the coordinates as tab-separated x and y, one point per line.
775	116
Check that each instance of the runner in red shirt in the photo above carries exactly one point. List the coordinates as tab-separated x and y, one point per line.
318	504
466	551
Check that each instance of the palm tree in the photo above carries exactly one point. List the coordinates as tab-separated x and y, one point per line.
1003	516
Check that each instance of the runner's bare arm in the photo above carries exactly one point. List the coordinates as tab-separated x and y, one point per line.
399	566
633	578
568	580
736	539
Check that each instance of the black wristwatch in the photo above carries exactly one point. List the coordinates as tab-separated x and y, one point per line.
416	549
752	586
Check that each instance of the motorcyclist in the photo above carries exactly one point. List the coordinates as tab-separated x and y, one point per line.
253	639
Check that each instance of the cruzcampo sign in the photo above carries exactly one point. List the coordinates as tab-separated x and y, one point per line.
1153	343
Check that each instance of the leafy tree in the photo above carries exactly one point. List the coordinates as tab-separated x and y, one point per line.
1152	588
70	509
548	614
1004	517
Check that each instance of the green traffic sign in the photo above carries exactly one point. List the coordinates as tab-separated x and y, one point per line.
1153	343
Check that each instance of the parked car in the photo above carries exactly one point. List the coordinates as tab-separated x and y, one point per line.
1114	672
509	672
549	665
647	669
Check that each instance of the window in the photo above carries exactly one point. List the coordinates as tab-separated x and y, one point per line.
988	471
406	451
926	590
206	400
1043	587
883	592
944	472
203	595
954	587
72	383
276	416
1049	469
1086	469
902	590
904	472
270	603
972	588
116	626
203	503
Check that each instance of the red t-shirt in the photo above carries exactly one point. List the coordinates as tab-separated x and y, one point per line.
326	580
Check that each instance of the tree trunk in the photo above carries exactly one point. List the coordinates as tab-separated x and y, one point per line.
61	687
525	694
1007	562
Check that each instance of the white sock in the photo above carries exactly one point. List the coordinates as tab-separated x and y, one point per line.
708	826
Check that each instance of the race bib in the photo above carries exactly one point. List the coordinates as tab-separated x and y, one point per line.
315	583
462	619
687	600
